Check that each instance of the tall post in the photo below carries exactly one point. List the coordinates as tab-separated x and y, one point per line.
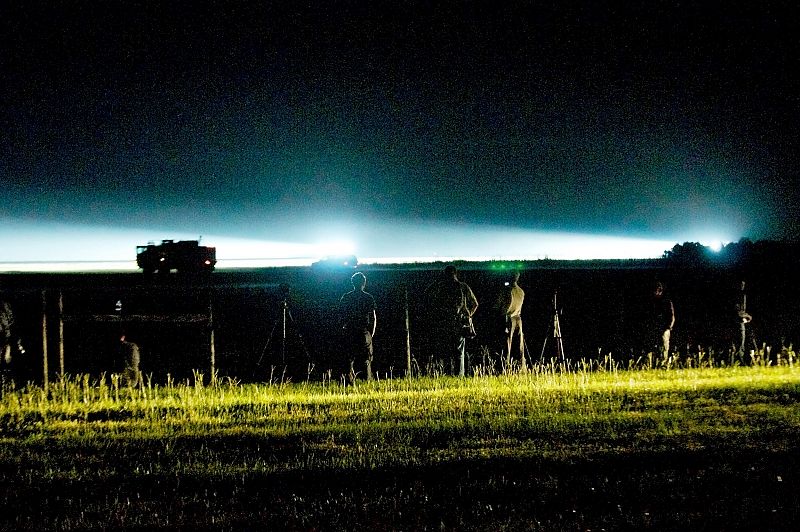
45	369
61	334
408	336
212	346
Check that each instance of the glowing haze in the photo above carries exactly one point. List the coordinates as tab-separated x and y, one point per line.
287	131
61	247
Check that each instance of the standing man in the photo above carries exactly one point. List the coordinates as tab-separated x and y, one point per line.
451	304
744	318
514	323
358	319
662	318
6	335
131	373
10	344
6	329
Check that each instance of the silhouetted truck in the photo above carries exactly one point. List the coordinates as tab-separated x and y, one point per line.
185	256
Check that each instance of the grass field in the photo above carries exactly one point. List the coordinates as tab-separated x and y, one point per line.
549	449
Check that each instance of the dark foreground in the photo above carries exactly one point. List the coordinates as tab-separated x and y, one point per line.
716	489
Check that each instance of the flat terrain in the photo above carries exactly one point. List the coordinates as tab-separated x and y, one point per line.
602	310
602	449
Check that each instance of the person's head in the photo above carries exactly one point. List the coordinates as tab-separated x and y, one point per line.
515	277
658	289
359	280
450	271
284	290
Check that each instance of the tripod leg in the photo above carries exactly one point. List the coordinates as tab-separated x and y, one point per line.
557	335
297	333
266	346
527	351
544	344
547	335
283	338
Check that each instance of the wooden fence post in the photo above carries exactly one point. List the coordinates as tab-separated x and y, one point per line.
212	346
61	334
408	336
45	369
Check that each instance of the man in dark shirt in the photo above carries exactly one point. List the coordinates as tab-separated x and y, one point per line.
662	319
450	306
358	318
131	374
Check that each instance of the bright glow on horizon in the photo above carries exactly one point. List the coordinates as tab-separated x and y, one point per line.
335	247
60	243
59	247
475	242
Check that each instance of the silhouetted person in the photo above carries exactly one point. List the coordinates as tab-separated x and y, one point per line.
743	318
662	319
359	319
131	374
513	318
450	306
6	331
10	345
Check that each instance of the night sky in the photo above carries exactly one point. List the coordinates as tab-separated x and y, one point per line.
380	122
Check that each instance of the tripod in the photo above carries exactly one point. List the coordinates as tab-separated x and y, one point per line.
556	329
282	320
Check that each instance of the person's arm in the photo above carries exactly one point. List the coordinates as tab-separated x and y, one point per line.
472	301
374	321
672	315
341	311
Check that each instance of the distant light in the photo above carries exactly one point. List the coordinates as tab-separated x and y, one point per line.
714	244
68	266
335	247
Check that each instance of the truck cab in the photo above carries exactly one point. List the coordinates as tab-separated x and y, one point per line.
185	256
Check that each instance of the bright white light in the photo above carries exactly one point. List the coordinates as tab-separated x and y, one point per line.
335	247
77	266
59	247
28	246
407	243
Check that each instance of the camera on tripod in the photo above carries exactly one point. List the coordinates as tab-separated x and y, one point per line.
554	330
288	327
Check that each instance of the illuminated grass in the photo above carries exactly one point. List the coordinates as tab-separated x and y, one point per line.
85	434
528	409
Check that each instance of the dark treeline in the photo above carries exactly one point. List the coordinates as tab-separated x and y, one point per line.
744	255
601	305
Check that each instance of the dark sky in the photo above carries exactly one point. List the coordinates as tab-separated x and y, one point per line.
260	119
